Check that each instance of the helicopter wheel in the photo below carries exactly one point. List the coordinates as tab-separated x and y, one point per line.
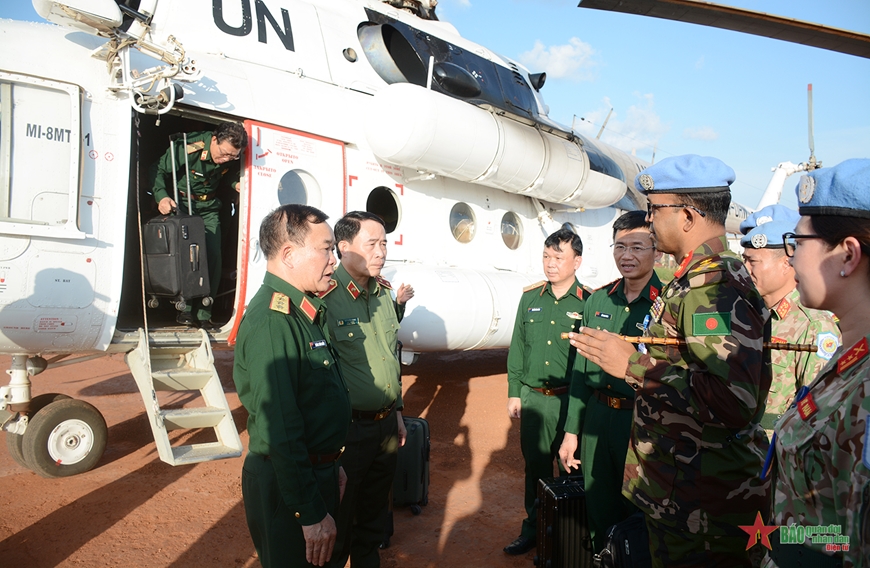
65	438
180	305
207	301
153	303
14	442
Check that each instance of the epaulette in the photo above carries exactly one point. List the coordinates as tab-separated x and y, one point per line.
383	282
194	147
280	303
583	288
852	356
332	286
535	286
611	287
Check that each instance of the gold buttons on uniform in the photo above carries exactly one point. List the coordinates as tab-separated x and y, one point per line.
552	322
531	321
326	362
556	302
549	342
598	327
546	362
350	334
298	515
627	309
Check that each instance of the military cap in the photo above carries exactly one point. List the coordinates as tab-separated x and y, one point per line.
764	228
685	174
841	190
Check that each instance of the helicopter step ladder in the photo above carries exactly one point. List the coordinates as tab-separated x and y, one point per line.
175	367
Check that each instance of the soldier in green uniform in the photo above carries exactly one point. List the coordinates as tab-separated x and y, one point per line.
791	322
363	325
822	443
600	406
699	400
298	406
213	161
538	363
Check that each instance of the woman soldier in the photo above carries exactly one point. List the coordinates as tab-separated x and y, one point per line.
821	450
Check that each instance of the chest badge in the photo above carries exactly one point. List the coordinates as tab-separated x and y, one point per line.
807	406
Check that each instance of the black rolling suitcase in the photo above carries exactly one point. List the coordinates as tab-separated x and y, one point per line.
175	260
411	484
563	537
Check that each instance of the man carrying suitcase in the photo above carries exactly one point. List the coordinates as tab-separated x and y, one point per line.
212	159
363	324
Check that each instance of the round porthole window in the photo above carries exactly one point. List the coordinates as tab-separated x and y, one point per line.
385	204
462	222
299	187
511	230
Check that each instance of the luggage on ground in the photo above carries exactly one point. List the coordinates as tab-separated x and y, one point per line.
563	538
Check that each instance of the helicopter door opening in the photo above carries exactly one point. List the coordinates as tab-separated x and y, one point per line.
153	143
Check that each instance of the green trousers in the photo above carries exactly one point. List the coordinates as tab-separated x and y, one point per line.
602	452
369	460
210	211
276	532
542	427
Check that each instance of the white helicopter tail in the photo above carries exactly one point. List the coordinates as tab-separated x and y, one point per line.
178	368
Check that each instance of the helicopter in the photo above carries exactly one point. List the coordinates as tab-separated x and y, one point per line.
348	105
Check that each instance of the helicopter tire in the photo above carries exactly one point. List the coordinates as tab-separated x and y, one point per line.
65	438
207	301
180	305
153	303
15	442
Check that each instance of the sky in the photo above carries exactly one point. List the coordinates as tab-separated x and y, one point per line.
679	88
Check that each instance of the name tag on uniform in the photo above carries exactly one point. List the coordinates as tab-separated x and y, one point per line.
317	344
602	315
349	321
534	309
196	173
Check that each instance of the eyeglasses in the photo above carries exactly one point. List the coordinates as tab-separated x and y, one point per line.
620	249
228	155
651	207
789	241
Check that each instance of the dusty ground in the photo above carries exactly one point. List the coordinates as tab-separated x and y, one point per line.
134	510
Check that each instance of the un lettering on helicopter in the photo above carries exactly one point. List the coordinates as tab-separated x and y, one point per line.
349	105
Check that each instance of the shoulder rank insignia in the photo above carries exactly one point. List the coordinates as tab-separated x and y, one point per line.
718	323
353	290
534	286
684	265
613	286
654	293
332	286
783	307
383	282
280	303
308	308
852	356
195	147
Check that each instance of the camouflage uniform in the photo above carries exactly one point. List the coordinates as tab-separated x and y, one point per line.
791	322
823	461
696	430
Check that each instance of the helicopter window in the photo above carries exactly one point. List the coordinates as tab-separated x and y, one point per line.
511	230
391	55
462	222
385	204
299	187
39	124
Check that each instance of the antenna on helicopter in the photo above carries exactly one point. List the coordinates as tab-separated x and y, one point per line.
812	164
600	132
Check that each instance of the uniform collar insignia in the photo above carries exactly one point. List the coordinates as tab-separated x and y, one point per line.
579	292
280	303
332	286
308	309
654	293
383	282
353	290
783	307
684	265
852	356
544	288
204	156
614	287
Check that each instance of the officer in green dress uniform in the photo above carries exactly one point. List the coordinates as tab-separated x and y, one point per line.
821	448
213	161
537	367
288	380
791	321
698	401
600	406
363	325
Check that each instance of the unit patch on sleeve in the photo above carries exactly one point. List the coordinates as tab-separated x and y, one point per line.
827	344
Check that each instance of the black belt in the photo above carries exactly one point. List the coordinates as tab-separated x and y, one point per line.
201	197
615	402
551	391
373	414
799	555
316	459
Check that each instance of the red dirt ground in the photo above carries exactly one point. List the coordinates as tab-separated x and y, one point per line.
134	510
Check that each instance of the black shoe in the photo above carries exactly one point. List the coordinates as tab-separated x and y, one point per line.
210	326
520	546
185	318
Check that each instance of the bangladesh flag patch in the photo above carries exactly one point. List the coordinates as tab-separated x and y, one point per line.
718	323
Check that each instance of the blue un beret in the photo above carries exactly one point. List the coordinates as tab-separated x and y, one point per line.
685	174
841	190
764	228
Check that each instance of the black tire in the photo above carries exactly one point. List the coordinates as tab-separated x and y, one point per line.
416	510
15	442
65	438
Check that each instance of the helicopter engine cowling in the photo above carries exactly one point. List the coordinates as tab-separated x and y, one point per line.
411	126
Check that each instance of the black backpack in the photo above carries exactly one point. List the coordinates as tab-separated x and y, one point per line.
626	545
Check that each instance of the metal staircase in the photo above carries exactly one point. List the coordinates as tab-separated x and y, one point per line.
175	367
